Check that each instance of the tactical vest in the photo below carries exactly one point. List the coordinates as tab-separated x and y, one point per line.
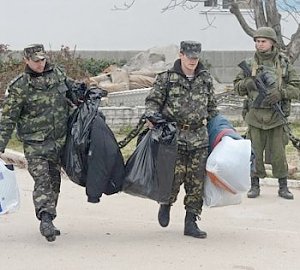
279	69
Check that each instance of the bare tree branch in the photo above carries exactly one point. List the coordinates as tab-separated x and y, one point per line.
125	6
263	13
259	13
293	48
274	20
184	4
234	9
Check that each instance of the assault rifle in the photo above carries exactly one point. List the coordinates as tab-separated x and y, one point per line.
263	82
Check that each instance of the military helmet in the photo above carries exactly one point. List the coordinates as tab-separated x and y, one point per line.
35	52
191	49
265	32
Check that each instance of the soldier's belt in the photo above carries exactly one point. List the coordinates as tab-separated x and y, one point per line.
185	126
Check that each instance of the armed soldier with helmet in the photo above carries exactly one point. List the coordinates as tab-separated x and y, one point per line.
267	127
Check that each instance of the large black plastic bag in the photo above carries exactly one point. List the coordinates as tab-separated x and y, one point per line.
149	171
76	149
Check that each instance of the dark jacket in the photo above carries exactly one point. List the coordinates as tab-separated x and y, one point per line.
106	170
92	158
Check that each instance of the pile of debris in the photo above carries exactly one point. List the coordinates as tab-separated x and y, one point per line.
140	71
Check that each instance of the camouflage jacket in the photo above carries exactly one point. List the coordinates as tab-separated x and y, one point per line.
287	82
38	106
185	102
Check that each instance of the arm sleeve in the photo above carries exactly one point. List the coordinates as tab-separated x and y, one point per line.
291	89
239	84
212	103
11	111
156	98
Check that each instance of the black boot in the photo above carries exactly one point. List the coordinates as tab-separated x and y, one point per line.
283	189
254	190
47	228
191	228
164	215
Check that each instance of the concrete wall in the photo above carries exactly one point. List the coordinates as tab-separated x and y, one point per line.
223	64
126	107
118	117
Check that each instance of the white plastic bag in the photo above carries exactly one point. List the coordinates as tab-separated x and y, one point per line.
228	165
216	196
9	191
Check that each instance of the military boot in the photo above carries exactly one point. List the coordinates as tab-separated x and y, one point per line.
190	226
164	215
47	228
283	189
254	190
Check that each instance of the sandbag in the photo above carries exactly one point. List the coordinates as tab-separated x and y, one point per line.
228	165
215	196
140	81
9	191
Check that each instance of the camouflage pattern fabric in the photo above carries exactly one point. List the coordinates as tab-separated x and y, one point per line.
37	105
187	103
47	179
190	171
192	49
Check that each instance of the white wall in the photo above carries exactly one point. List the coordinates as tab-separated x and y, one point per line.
92	25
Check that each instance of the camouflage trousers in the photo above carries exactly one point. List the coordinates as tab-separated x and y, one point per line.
190	171
275	140
47	179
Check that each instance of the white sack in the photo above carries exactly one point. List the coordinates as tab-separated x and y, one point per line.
216	196
9	191
228	165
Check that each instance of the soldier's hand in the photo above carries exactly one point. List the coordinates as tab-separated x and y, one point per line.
273	97
267	78
249	84
149	124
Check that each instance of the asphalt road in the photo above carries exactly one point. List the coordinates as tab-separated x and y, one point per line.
121	232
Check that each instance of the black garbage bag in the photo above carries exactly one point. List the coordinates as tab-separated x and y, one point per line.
91	156
149	171
75	154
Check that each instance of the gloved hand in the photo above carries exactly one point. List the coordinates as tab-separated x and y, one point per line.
96	92
154	118
267	78
273	97
249	84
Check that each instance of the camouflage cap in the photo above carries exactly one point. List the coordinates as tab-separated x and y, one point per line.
191	49
35	52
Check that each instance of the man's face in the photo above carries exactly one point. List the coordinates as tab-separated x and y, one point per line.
263	44
36	66
188	64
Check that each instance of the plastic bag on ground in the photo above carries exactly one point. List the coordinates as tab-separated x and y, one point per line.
215	196
228	165
9	191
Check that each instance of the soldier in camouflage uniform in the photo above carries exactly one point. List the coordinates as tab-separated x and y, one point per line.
266	129
37	103
185	95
